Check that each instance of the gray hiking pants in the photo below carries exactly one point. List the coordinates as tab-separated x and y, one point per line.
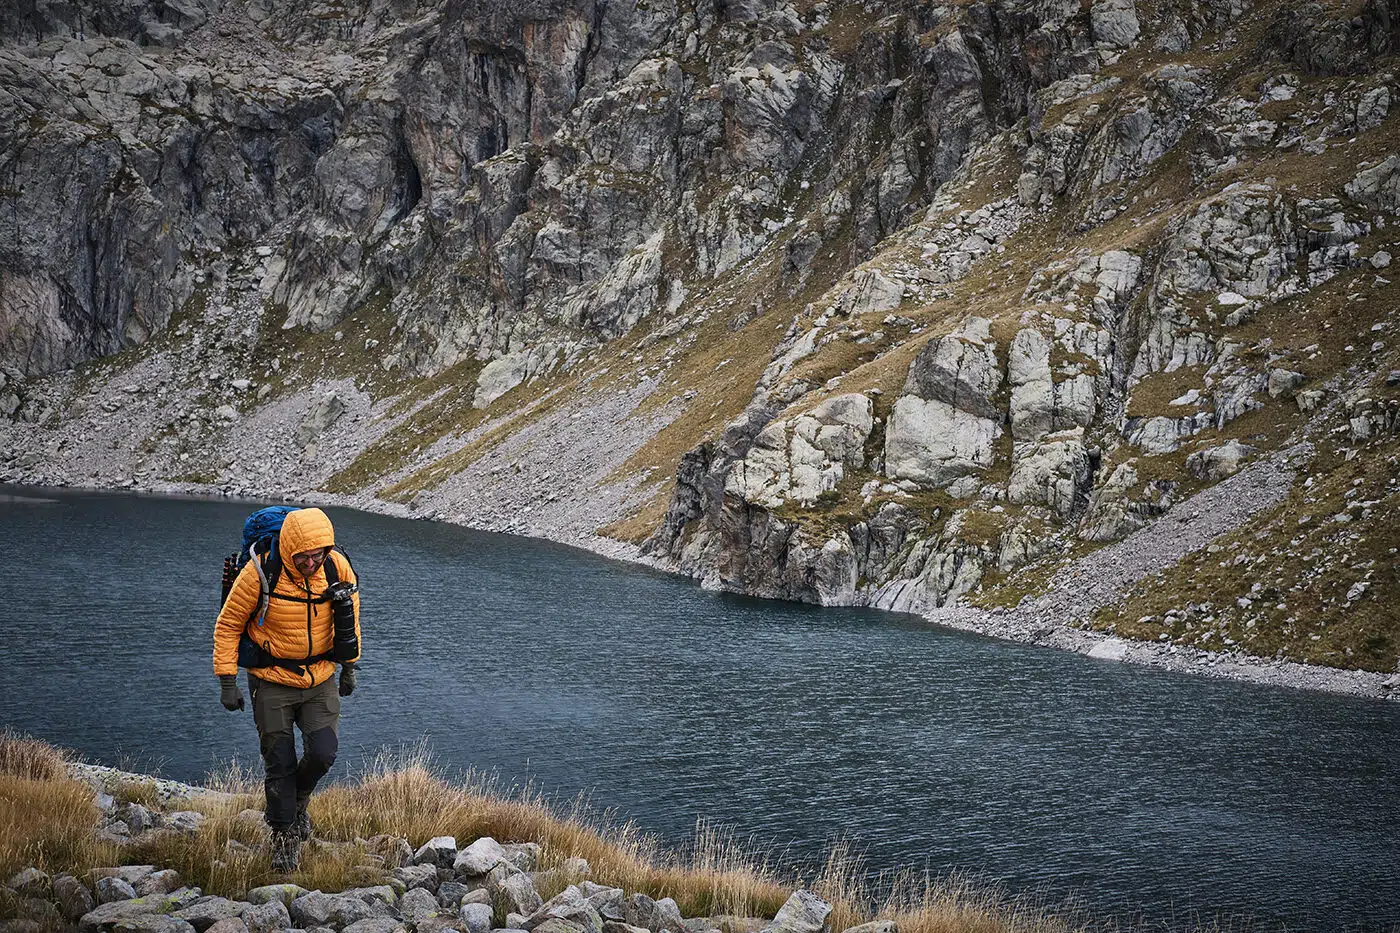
313	710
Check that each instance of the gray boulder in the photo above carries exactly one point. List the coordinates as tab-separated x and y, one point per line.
523	855
639	910
609	902
159	882
207	911
134	874
284	893
418	876
947	421
150	923
1114	23
442	924
377	925
72	897
933	443
826	442
419	904
618	926
231	925
1284	382
557	925
267	917
323	415
114	889
440	851
1378	187
137	817
1216	463
479	858
960	370
1054	471
451	893
518	894
804	912
875	926
318	909
380	893
185	821
568	905
34	913
476	917
105	917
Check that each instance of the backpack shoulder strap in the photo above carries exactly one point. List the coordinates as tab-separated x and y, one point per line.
348	562
268	566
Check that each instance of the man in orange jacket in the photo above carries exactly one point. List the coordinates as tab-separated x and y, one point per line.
290	646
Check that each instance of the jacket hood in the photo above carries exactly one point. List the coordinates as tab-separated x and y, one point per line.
304	530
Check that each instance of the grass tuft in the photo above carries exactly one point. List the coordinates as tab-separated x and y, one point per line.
49	824
21	756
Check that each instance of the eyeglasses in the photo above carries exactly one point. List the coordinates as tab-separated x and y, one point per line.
310	558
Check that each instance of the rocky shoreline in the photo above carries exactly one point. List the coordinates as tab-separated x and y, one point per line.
1052	620
435	887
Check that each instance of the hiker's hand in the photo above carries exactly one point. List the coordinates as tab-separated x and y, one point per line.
347	679
229	694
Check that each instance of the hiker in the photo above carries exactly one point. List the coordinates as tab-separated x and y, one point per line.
289	632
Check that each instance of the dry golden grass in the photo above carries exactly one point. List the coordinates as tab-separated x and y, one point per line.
404	795
21	756
48	824
47	819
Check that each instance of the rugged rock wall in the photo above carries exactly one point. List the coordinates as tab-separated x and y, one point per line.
877	303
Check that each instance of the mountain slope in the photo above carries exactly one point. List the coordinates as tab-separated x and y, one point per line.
881	303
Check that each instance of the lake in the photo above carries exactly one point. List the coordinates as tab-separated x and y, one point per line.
1146	794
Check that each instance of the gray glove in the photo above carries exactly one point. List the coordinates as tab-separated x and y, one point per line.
347	679
229	694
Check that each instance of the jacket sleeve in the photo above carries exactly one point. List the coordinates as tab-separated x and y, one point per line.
233	618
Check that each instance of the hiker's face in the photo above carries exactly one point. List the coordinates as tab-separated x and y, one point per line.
308	561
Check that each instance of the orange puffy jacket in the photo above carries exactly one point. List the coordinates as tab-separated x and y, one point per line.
298	623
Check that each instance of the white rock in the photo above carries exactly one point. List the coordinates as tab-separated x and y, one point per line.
1191	397
804	912
480	857
933	443
440	851
1110	649
1053	471
1216	463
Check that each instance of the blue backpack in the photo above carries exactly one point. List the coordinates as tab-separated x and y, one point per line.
260	539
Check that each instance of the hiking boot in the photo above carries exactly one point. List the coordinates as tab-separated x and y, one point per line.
286	850
301	826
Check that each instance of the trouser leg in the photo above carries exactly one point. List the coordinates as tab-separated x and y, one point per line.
274	712
319	719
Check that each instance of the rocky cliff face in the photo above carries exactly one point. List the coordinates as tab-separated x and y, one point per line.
847	303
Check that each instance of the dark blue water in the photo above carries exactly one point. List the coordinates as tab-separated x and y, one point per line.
1144	793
